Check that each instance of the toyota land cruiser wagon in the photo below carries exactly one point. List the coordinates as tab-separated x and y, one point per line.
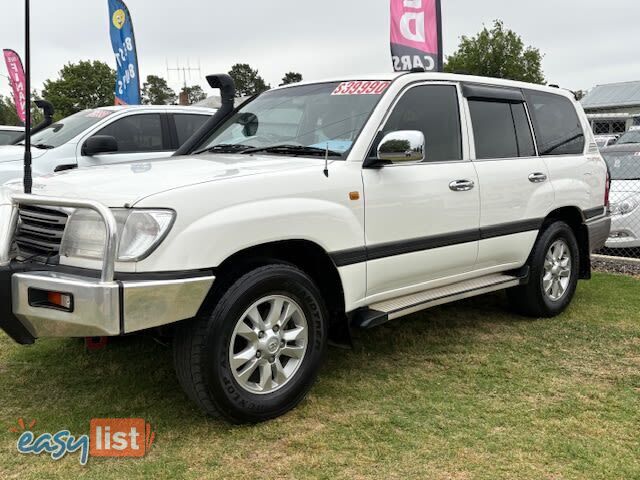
311	210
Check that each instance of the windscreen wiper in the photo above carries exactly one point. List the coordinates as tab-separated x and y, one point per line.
44	146
225	148
294	150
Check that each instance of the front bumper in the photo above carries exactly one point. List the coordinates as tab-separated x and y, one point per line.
625	231
98	308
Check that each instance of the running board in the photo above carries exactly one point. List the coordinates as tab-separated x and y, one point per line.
382	312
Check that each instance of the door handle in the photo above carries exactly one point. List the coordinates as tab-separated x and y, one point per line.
462	185
537	177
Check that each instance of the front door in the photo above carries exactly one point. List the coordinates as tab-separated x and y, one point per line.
140	137
422	219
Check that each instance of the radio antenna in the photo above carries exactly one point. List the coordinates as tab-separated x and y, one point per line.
326	162
27	180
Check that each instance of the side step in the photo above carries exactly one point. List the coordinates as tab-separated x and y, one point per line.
382	312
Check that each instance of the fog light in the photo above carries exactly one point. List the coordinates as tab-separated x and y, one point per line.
615	235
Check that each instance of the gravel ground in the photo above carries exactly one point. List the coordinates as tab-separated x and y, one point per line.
616	265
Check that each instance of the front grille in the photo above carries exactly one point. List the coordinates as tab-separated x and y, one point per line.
39	232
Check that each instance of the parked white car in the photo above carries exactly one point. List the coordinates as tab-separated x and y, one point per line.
313	209
106	135
624	166
9	134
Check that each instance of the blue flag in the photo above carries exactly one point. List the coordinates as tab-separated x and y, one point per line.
124	48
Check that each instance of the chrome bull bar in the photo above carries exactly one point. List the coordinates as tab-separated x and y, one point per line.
9	209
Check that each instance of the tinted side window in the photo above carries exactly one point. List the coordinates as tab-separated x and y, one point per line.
136	133
187	125
493	129
558	129
433	110
523	130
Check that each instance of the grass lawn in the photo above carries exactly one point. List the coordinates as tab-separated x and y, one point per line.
463	391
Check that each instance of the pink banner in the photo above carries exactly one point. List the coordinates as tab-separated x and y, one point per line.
16	75
416	34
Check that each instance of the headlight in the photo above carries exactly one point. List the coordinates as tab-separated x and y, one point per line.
141	231
625	206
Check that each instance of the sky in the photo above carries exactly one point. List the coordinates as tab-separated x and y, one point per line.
584	42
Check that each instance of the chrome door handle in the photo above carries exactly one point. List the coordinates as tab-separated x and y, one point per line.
462	185
537	178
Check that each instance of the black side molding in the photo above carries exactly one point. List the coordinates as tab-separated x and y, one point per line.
593	213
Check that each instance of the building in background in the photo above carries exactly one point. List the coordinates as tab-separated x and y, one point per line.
613	108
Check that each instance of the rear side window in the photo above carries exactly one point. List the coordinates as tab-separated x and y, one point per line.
501	130
433	110
187	125
557	126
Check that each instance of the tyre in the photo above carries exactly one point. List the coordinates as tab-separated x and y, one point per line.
554	269
258	352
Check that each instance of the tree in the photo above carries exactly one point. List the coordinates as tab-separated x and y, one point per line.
156	91
248	81
9	115
81	85
194	94
291	77
499	53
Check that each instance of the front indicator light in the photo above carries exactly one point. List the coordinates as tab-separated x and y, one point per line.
49	299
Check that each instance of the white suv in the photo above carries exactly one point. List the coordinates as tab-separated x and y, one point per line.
312	209
105	135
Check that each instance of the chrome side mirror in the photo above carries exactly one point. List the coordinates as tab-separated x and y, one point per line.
402	146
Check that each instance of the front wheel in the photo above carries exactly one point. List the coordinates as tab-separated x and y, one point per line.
554	270
259	351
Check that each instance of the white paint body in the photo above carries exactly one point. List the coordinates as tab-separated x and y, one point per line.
227	203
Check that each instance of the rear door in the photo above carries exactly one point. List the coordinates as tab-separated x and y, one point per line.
577	178
515	189
140	136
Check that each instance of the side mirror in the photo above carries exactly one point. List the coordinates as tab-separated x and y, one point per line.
99	144
403	146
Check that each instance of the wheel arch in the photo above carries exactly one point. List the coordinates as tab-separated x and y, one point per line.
574	217
306	255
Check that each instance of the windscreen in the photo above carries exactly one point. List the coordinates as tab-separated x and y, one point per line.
61	132
629	137
623	165
323	116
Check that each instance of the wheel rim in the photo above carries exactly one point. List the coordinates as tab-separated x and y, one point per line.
268	344
557	270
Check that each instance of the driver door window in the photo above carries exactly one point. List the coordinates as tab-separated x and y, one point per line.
137	133
139	137
434	111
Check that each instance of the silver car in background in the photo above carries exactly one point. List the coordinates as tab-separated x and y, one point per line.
624	167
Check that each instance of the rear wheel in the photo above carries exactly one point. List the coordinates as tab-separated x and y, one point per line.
554	270
259	351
